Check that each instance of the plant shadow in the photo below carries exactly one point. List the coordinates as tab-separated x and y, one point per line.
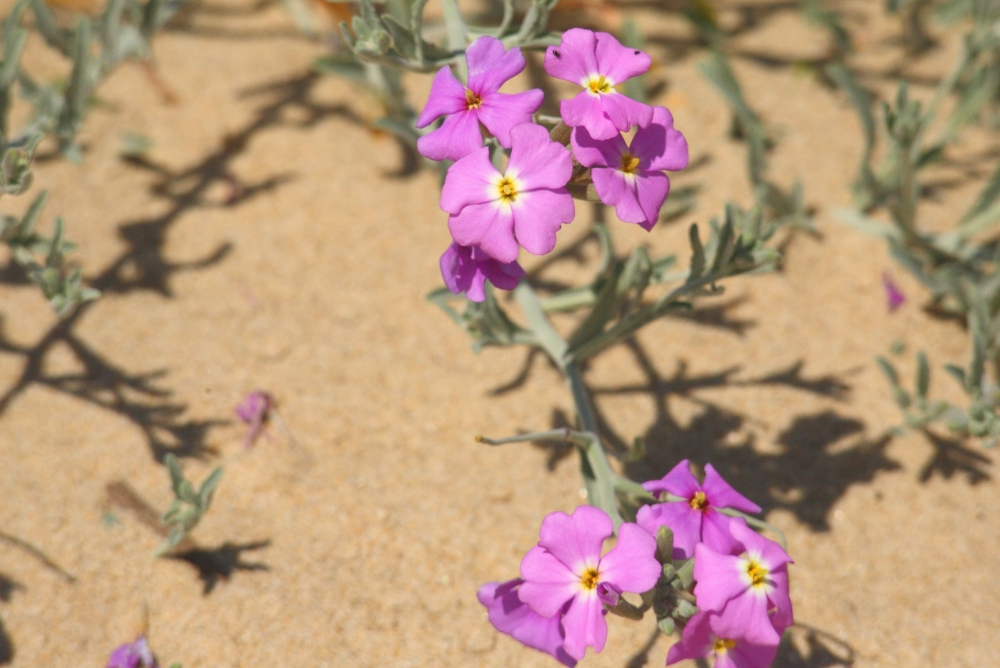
213	565
143	266
219	564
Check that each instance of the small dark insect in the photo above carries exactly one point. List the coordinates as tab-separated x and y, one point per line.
637	52
556	53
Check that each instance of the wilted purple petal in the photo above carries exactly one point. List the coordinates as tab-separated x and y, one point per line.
254	410
133	655
467	268
894	297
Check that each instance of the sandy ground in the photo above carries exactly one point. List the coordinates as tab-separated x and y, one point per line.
271	241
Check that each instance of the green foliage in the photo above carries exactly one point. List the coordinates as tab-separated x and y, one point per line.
960	267
188	506
94	48
63	290
776	205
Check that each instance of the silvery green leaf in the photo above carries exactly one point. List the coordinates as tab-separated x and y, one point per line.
923	375
207	489
666	626
697	254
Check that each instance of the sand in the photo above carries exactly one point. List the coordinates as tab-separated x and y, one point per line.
270	241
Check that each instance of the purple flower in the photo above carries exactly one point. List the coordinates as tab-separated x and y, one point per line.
508	614
631	178
598	62
894	297
749	591
526	205
466	107
467	268
703	639
696	518
254	410
563	573
133	655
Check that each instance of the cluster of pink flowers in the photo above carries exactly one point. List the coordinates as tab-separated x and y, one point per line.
566	585
494	213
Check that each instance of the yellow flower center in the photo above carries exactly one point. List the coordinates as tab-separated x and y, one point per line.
698	501
508	190
757	573
599	84
472	101
629	164
723	644
589	579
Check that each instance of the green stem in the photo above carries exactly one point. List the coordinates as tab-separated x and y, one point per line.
548	337
598	477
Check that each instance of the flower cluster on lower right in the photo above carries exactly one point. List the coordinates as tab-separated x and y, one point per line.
691	558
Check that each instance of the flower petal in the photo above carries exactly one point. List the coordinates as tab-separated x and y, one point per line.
591	152
770	552
781	616
548	582
576	540
500	112
681	518
509	615
696	642
631	565
490	64
575	59
447	97
658	145
584	625
456	268
718	578
618	62
457	137
624	112
715	533
587	110
611	187
537	161
504	275
720	494
748	655
745	616
679	481
489	226
539	216
651	189
470	181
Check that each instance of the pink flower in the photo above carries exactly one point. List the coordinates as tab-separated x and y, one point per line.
509	615
598	62
133	655
749	591
526	205
631	178
566	575
466	107
467	268
697	518
702	639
